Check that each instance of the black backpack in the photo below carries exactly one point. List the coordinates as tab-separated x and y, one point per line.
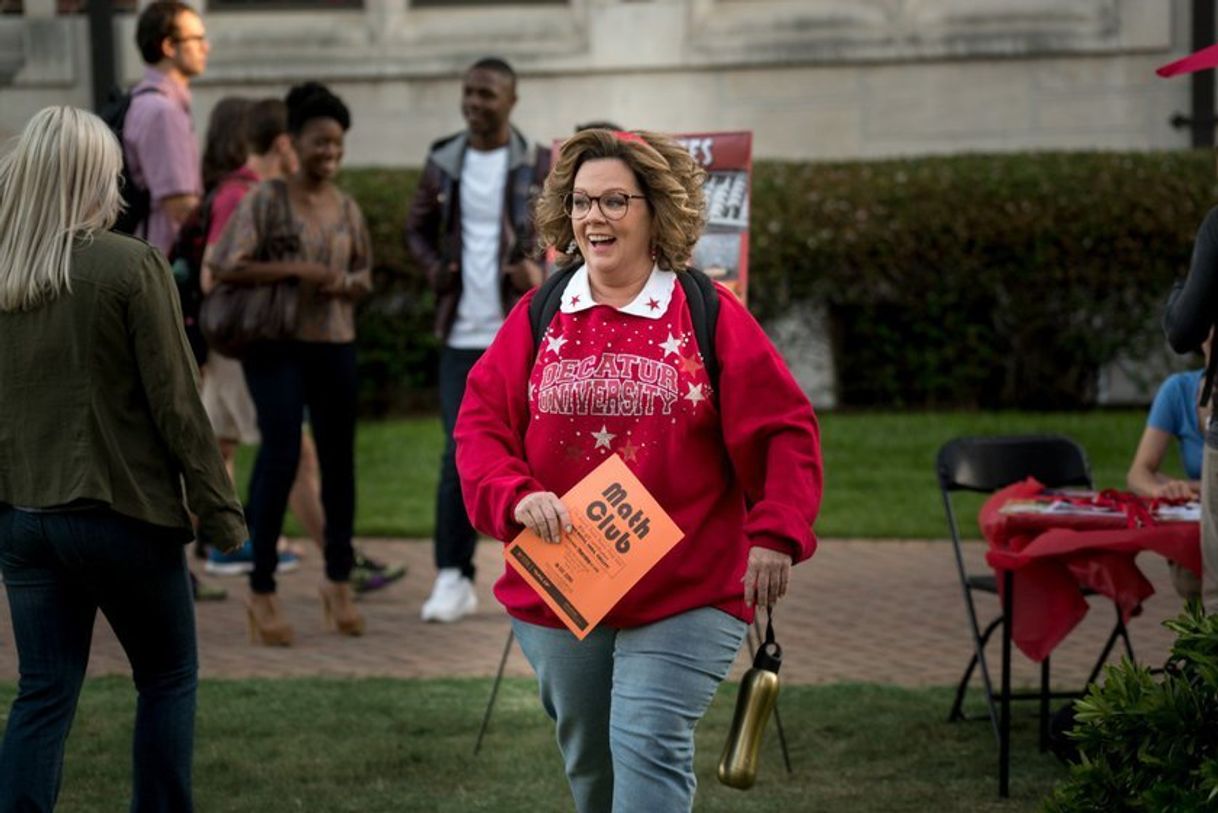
700	296
137	202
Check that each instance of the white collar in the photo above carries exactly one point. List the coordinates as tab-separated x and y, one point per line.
651	303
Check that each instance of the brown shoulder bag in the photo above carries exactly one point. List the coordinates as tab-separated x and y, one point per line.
234	317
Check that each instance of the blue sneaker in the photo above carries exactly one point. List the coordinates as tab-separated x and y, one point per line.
241	561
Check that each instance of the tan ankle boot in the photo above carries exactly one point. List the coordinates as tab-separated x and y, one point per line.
338	609
266	622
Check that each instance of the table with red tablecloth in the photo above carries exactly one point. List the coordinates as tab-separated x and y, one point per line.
1054	556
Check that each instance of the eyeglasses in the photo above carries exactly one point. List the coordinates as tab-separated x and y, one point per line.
614	205
191	38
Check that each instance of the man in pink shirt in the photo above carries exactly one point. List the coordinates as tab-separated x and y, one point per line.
159	142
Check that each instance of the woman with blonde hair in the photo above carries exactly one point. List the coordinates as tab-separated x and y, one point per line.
100	429
733	458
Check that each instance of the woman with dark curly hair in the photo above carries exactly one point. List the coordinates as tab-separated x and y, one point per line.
734	460
303	228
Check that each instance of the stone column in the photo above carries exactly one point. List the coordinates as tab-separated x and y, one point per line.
38	9
384	18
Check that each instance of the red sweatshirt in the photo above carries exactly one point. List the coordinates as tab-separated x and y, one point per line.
735	469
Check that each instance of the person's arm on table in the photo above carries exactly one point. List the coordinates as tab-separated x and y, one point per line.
1144	477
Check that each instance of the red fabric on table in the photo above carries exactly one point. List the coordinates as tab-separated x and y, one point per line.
1056	555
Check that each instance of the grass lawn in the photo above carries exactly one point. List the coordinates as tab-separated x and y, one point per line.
869	457
397	745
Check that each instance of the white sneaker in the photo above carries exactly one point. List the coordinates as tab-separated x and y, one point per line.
452	598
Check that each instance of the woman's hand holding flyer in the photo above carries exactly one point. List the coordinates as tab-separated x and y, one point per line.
616	532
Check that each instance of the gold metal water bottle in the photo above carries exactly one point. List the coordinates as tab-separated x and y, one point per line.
754	705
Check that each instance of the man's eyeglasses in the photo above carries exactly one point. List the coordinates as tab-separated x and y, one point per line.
191	38
614	205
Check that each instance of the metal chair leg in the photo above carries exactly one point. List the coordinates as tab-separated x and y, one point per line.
782	736
957	712
1118	632
1124	631
782	739
490	703
1044	705
971	611
1004	726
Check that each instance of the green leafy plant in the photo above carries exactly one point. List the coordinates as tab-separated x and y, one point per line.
1150	742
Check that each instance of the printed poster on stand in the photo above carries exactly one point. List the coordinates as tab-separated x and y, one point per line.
723	250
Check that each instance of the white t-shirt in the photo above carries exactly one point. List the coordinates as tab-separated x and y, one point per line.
480	309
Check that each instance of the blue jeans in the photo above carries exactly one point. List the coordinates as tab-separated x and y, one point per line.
625	703
284	378
456	538
59	569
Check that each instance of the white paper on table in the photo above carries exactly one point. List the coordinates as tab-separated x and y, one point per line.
1189	512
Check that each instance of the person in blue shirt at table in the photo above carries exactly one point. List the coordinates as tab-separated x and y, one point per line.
1175	415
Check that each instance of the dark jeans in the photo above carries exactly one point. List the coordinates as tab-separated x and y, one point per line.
283	378
59	569
455	535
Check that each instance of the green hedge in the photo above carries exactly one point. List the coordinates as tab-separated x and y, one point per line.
978	280
397	350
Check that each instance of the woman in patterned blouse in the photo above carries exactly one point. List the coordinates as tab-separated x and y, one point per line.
305	231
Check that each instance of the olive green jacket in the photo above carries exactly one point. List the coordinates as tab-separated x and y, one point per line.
99	399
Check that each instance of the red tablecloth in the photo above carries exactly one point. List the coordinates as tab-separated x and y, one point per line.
1055	556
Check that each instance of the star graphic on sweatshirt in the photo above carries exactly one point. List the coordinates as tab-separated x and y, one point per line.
690	364
629	451
555	343
575	300
653	303
695	394
671	345
603	437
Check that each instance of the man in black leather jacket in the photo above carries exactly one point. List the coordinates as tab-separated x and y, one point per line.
470	229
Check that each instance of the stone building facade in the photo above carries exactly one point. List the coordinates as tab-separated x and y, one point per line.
813	79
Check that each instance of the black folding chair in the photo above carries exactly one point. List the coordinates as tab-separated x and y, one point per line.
986	464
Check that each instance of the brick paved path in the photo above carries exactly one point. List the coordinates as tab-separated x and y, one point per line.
884	612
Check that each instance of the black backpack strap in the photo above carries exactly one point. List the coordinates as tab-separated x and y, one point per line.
1207	383
703	303
126	105
700	295
546	302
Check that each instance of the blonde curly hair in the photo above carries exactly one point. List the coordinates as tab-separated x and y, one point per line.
667	174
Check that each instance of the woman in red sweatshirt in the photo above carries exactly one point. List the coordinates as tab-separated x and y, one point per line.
735	462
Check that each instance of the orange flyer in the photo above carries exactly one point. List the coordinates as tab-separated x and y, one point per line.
618	534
